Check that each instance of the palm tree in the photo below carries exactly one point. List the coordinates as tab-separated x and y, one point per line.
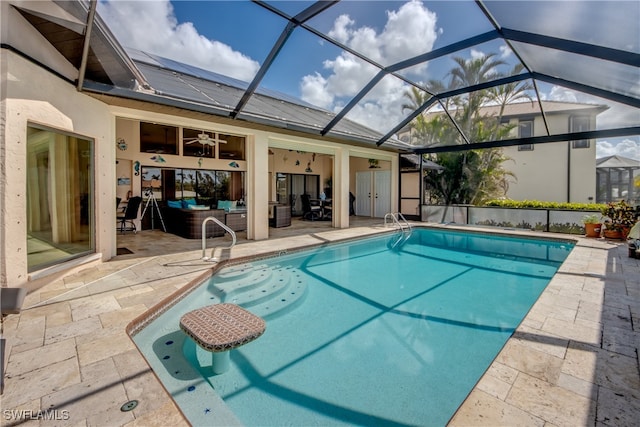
470	176
416	98
468	73
510	93
435	130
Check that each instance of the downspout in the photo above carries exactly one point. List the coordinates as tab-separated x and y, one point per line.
85	46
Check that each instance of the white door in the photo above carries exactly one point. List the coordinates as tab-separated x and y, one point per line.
363	193
382	193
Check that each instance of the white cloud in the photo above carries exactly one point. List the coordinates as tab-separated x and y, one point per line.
151	26
605	149
505	52
475	55
626	148
312	88
347	75
340	30
379	110
562	94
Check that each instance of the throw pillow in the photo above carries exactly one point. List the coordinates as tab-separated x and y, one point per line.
188	202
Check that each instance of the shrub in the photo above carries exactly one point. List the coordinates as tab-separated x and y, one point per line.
620	215
536	204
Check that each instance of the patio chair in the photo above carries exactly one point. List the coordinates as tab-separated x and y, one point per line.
310	209
130	213
327	209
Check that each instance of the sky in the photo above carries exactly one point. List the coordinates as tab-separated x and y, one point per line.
234	37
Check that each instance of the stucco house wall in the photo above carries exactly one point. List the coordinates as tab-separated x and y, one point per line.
32	95
549	170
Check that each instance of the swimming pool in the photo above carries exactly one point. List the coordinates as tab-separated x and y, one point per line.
367	332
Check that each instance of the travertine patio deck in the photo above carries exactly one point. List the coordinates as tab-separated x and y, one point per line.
572	362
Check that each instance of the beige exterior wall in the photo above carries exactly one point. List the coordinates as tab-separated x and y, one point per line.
342	171
286	150
35	96
542	174
31	95
410	193
292	161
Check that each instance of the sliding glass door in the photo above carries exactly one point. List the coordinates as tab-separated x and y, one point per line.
289	188
60	197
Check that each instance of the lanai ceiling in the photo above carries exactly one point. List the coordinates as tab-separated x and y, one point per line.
589	49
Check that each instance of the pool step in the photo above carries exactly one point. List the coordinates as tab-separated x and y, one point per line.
236	272
261	289
225	285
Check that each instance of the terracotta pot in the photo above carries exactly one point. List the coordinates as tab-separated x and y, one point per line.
613	234
593	230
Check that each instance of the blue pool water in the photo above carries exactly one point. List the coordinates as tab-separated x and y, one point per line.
357	333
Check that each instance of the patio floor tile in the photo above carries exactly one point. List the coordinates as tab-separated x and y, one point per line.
554	404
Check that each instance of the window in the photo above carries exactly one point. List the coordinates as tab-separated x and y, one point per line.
201	143
233	149
152	182
525	130
205	186
579	124
60	224
158	139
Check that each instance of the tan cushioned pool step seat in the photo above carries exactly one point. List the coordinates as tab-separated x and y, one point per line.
222	327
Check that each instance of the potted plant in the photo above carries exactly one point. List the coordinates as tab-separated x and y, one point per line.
620	218
592	225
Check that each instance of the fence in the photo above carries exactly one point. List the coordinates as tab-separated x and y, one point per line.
553	220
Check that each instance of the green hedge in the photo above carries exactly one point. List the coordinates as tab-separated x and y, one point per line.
535	204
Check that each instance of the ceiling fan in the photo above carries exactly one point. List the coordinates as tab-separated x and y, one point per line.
204	139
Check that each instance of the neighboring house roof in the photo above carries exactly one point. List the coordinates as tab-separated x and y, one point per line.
530	109
523	110
549	107
617	161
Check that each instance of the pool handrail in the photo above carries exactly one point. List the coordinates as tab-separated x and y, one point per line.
396	217
204	237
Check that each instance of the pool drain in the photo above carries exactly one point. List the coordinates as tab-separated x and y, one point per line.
129	406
